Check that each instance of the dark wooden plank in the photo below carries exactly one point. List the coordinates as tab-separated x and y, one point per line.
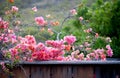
40	71
3	75
19	72
61	71
83	72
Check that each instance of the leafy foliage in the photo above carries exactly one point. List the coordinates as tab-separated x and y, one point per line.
104	19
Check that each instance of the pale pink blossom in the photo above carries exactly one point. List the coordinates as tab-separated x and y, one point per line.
48	16
73	12
14	9
96	35
88	30
3	65
87	57
81	56
40	21
30	60
108	47
80	18
35	9
96	56
86	44
24	58
109	51
87	49
81	46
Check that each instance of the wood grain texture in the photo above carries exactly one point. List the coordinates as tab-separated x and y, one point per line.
64	71
61	72
82	72
20	73
40	72
3	75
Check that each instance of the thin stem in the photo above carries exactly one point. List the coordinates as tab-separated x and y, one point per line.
24	71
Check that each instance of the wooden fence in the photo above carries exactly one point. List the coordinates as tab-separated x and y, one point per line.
72	69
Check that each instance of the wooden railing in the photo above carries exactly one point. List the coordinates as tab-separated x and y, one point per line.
70	69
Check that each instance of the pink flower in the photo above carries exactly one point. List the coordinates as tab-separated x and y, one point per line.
13	51
3	24
35	55
40	46
40	21
86	44
73	12
55	44
96	35
96	56
80	18
103	57
34	9
88	30
92	55
88	57
108	47
55	52
31	48
30	39
14	9
24	58
70	39
41	55
87	49
109	51
3	65
81	56
59	58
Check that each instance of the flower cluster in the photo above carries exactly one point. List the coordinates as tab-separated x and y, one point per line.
40	21
3	24
28	50
6	35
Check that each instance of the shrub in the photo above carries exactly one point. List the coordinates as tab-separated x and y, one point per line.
104	19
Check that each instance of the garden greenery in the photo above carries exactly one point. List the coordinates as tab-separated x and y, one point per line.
103	17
